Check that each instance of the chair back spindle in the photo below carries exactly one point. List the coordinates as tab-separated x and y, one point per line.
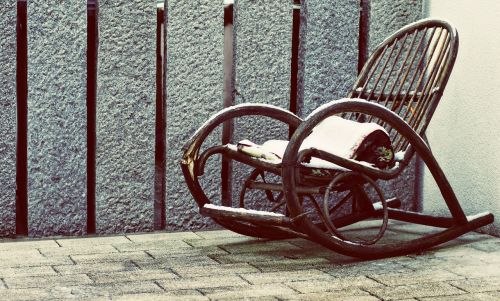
407	73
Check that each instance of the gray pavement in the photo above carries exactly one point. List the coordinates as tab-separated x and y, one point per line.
222	265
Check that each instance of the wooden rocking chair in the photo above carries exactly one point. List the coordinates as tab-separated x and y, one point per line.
394	96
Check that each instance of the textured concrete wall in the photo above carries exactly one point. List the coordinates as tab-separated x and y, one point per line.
194	93
464	131
8	118
125	116
56	117
331	51
387	16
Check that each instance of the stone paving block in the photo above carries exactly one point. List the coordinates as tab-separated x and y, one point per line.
36	294
170	296
47	281
248	257
102	267
488	245
254	291
262	246
477	270
165	253
132	276
292	264
270	253
375	267
490	296
222	241
163	236
27	271
35	261
431	275
311	249
345	294
216	269
286	276
414	291
202	282
478	285
214	234
487	257
456	251
419	263
74	250
19	245
267	298
332	297
334	284
113	257
170	262
93	240
453	263
167	245
16	255
114	289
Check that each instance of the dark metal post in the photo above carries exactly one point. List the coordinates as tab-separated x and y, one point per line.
22	119
159	221
227	129
92	52
364	33
294	68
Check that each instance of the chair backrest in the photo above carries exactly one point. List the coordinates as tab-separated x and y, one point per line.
408	72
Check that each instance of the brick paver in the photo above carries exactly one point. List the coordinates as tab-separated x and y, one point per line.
222	265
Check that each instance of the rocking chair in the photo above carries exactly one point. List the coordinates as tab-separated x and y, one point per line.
342	150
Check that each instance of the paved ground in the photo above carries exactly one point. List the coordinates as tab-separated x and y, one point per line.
221	265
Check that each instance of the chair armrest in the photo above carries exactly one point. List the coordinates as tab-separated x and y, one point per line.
292	156
246	109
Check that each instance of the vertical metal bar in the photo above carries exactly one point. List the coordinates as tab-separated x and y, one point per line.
364	33
159	217
92	52
22	119
227	129
294	64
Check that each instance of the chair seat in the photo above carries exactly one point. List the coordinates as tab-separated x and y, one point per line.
368	142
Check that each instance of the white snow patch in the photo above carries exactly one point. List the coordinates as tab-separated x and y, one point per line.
399	156
243	210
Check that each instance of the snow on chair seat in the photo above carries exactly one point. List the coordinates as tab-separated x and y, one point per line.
248	215
368	142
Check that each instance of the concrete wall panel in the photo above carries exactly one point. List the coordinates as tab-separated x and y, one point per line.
125	116
194	92
8	119
56	117
387	16
330	51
